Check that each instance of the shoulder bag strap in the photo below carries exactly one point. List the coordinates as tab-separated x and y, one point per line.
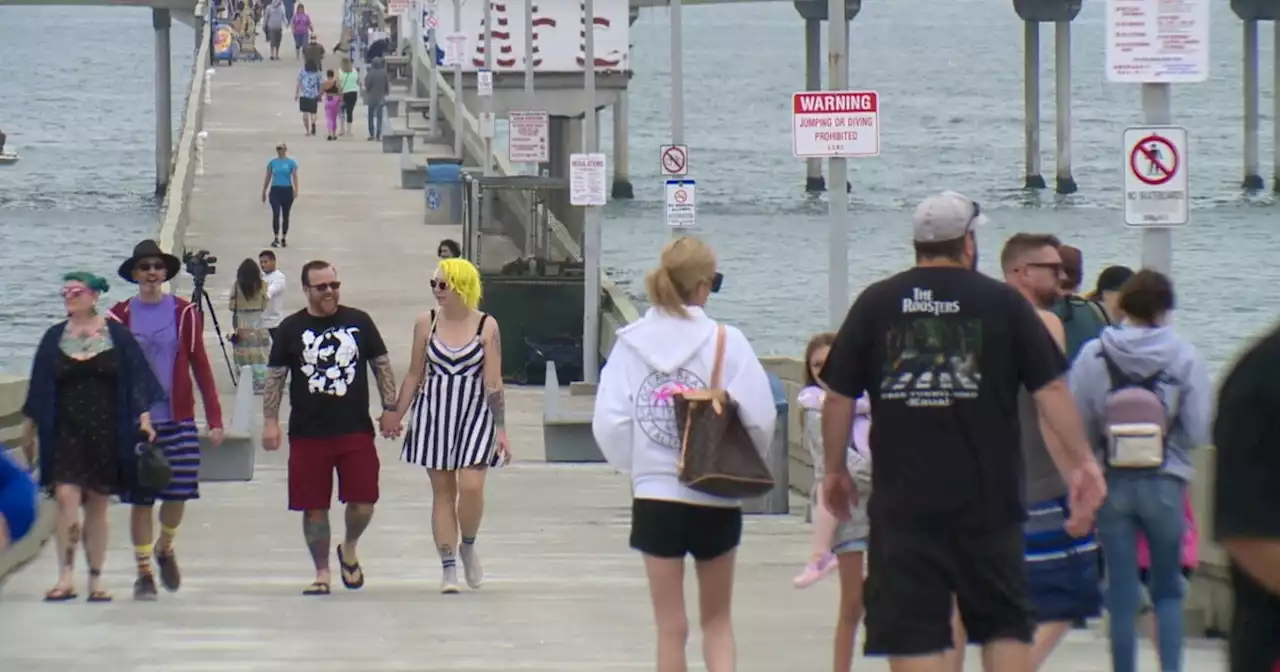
717	368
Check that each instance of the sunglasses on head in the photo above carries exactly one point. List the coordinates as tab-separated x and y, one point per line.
326	286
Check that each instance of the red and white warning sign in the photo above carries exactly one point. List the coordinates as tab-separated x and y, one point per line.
835	124
1155	176
674	160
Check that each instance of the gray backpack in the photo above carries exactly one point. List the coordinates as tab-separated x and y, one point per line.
1136	422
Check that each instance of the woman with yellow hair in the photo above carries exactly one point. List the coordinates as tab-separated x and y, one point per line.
457	414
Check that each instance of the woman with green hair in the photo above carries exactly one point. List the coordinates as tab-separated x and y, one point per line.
86	411
457	424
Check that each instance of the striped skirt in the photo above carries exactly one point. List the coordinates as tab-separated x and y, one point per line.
180	442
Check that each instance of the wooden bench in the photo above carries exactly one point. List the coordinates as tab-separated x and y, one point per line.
566	434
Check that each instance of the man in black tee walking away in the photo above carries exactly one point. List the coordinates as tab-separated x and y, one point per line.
323	351
1247	503
942	351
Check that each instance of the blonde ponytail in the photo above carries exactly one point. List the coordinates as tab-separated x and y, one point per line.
685	262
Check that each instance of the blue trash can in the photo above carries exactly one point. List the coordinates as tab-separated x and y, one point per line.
778	500
443	189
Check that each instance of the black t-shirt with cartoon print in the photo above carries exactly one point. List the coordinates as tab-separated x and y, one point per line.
328	360
942	353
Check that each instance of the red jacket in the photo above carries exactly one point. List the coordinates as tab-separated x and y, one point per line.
182	402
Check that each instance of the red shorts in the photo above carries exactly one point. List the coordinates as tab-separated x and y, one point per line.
312	462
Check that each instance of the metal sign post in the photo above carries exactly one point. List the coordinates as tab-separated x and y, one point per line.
838	172
433	86
677	87
458	112
529	98
591	229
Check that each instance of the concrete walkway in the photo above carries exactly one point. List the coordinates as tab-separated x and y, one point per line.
564	592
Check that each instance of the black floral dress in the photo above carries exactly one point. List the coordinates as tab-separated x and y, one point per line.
86	446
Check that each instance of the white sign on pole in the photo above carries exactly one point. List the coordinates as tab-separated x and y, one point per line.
528	137
674	160
840	124
484	82
1157	41
431	22
681	203
487	124
1155	176
586	179
455	49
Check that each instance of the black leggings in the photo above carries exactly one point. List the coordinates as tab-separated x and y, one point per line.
281	199
349	100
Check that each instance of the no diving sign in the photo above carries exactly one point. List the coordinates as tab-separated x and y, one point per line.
1155	176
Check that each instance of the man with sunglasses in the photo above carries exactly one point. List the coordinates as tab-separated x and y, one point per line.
943	351
1062	565
170	330
324	351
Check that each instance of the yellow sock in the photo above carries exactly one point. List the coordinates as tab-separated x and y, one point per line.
142	555
168	533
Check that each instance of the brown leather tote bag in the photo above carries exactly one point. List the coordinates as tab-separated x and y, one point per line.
717	456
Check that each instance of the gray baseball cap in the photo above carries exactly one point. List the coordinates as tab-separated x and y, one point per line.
946	216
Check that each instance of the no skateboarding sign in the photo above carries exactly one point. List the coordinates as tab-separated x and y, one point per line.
1155	176
675	160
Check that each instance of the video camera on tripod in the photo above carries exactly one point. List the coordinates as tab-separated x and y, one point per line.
200	265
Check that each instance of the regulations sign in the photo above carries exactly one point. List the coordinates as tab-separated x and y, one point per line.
674	159
681	203
397	7
586	179
455	49
1157	41
1155	176
835	123
528	137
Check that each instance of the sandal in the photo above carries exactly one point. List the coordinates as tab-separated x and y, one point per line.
60	595
100	596
317	588
352	574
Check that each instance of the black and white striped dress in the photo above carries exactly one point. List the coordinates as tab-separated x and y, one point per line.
451	425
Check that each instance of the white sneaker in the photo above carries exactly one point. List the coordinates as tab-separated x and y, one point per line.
471	568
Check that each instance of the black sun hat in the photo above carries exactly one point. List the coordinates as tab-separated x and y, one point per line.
148	249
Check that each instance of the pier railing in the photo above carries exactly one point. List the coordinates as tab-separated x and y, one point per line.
175	212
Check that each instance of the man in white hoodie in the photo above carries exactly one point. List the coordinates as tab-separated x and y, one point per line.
672	348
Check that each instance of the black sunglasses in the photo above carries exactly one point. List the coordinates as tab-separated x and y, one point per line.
440	285
716	282
326	286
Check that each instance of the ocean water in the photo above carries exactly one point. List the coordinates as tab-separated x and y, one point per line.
950	79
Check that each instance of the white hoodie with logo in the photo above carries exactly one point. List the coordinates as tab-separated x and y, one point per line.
654	357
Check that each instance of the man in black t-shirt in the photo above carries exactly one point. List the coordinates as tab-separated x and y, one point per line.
324	351
942	351
1247	503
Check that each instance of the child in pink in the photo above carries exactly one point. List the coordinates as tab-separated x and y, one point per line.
332	105
1190	559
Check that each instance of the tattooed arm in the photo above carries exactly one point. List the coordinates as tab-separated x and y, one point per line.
273	395
386	377
492	339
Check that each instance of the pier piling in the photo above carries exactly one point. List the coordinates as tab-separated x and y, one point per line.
1252	174
1066	184
161	21
814	12
1031	102
622	187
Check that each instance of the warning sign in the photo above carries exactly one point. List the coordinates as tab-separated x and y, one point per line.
1155	176
675	160
681	203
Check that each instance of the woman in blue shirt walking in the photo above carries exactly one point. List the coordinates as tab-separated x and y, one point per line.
280	187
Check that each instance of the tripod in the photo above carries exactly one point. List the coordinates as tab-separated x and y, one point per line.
201	299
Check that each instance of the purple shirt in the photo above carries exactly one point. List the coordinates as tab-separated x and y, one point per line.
155	326
301	24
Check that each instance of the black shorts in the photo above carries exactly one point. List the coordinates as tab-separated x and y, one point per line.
666	529
308	105
913	576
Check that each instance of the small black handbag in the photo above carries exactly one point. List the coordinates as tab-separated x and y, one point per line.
154	470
